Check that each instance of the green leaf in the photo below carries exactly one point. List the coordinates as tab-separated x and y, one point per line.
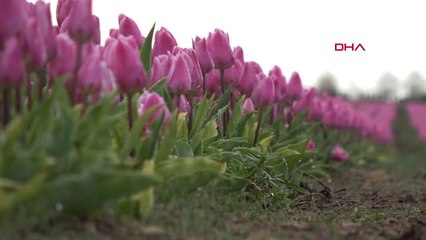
183	150
146	53
166	146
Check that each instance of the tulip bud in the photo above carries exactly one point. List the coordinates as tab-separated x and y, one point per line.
13	19
264	92
81	24
339	153
97	33
160	68
148	101
179	79
248	106
220	50
113	33
249	78
200	47
128	27
213	82
90	76
238	53
47	33
63	9
66	57
233	74
294	87
193	65
279	83
123	59
183	104
12	67
164	42
310	146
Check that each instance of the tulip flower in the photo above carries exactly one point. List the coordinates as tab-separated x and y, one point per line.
238	53
81	24
179	79
233	74
63	9
204	58
47	33
148	101
248	106
160	68
123	59
339	153
193	65
90	76
35	46
220	50
249	78
279	83
264	92
212	82
294	87
64	62
310	146
164	42
182	104
13	19
128	27
12	66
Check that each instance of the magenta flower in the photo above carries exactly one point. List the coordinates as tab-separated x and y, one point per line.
63	9
294	87
310	146
13	19
91	73
122	58
200	47
81	24
66	57
179	79
193	65
264	92
46	30
220	49
148	101
128	27
34	45
160	68
233	74
238	53
213	82
249	78
339	153
279	83
184	106
164	42
12	66
248	106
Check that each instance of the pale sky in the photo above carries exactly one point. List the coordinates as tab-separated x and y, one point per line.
295	35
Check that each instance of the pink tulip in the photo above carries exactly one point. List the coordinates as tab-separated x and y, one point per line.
213	83
90	75
238	53
294	87
122	58
164	42
248	106
233	74
179	79
220	50
279	83
310	146
66	57
249	78
12	68
264	92
184	106
128	27
339	153
63	9
200	47
97	34
81	23
148	101
13	19
160	68
47	32
193	65
34	45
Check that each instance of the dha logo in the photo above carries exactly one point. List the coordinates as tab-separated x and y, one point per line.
338	47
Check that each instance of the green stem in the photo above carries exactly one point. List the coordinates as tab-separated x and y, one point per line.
18	100
224	120
6	107
129	111
256	134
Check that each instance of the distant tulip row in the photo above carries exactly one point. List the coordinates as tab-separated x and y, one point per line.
71	52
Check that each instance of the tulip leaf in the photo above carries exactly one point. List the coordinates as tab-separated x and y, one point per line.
146	53
184	150
168	141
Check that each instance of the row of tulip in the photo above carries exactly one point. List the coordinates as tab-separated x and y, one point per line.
417	114
196	108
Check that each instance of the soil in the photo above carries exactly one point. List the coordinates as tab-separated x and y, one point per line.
359	204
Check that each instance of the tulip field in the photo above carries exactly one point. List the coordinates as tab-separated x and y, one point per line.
145	132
